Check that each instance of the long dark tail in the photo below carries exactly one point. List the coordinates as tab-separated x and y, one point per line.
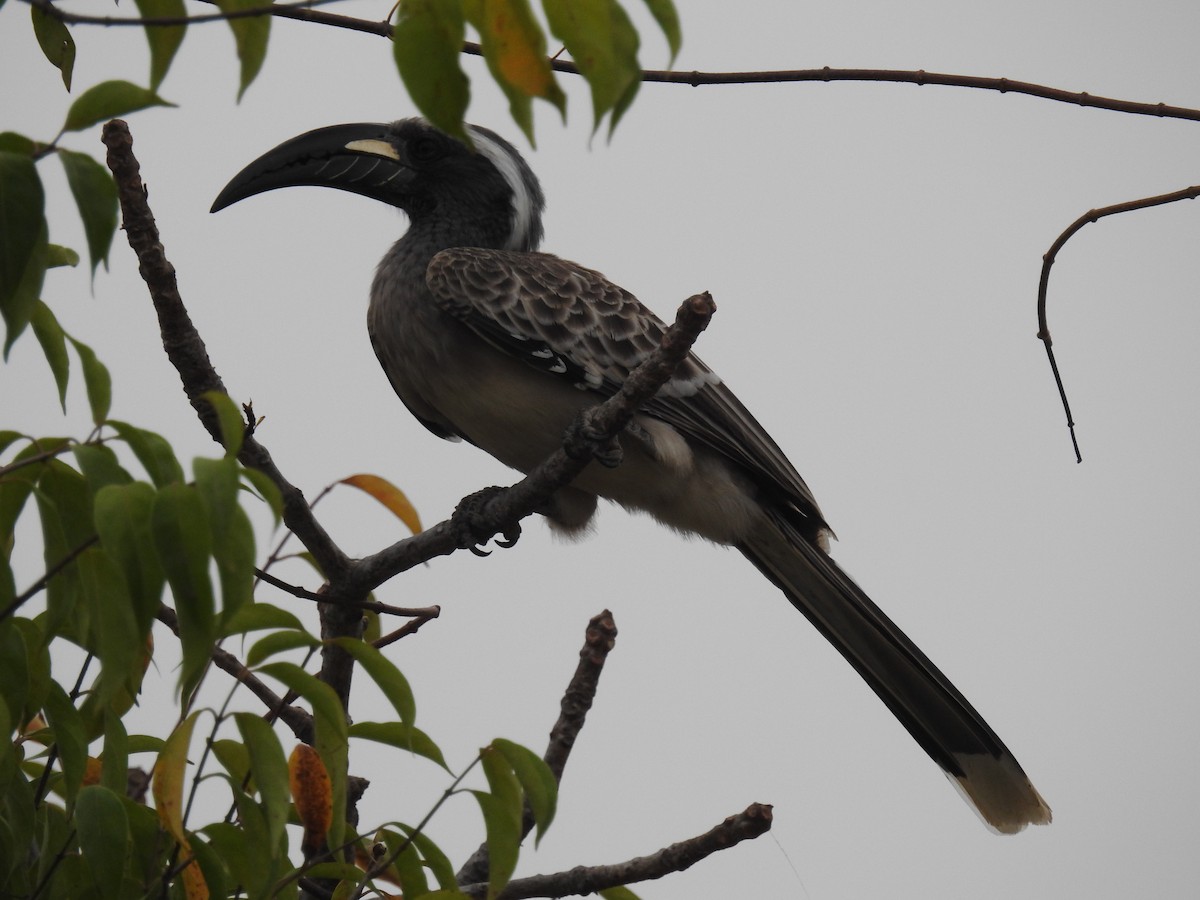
921	697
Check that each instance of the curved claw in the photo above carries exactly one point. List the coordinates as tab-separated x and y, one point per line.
510	537
473	531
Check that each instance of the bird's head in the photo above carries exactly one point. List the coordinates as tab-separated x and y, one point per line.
414	166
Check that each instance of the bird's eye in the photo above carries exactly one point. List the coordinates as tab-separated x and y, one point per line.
425	149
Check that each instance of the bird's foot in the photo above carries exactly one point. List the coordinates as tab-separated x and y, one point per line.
473	527
586	440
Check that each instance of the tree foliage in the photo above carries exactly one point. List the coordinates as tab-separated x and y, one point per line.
130	536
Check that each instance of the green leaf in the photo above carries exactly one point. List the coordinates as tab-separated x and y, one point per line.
502	809
99	466
541	790
234	756
54	346
15	488
331	742
153	451
514	46
108	100
279	642
232	535
37	667
11	142
407	865
427	44
58	256
22	242
268	766
435	860
258	617
164	40
96	380
667	17
266	489
114	773
503	840
397	734
14	674
114	635
65	509
385	674
145	743
95	195
179	523
123	518
212	865
103	830
603	43
242	860
229	417
56	43
68	737
250	34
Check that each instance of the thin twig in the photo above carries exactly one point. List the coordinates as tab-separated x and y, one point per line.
786	76
36	588
296	719
405	630
255	12
1188	193
423	612
753	822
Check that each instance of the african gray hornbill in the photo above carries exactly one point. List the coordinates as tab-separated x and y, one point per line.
486	339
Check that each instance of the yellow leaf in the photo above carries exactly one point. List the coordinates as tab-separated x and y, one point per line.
168	801
169	777
390	496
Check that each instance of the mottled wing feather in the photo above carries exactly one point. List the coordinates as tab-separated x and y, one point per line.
575	323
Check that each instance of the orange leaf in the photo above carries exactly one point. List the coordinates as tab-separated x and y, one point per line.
390	496
312	792
519	46
91	774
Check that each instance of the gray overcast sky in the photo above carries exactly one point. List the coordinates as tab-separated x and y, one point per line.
874	252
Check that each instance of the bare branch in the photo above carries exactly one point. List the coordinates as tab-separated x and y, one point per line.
753	822
1188	193
186	349
600	638
921	77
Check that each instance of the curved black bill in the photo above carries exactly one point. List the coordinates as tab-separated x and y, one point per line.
358	158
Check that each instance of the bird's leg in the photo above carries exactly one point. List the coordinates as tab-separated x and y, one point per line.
585	439
474	526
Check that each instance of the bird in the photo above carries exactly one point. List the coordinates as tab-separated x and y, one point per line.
487	340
